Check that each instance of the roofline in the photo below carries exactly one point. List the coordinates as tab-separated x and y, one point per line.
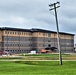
33	30
14	29
43	30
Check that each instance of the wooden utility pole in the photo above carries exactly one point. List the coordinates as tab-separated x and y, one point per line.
54	6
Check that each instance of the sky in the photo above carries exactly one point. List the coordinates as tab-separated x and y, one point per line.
35	14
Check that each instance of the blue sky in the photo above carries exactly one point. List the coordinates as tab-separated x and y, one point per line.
35	14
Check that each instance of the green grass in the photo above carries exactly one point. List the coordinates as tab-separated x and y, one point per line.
41	57
38	68
49	56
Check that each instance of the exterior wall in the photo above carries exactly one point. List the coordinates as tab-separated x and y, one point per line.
42	40
16	42
67	43
24	41
1	40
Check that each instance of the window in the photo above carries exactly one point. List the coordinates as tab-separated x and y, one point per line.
46	34
22	33
13	32
26	33
5	32
19	33
49	34
43	34
30	33
49	40
39	33
8	32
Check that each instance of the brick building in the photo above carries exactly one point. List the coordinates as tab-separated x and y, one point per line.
15	40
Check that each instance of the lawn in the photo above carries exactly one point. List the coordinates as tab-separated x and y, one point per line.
40	57
37	68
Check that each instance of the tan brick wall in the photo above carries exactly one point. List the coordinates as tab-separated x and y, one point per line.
17	33
0	36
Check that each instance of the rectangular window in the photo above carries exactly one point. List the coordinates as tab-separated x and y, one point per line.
49	34
13	32
5	32
8	32
43	34
22	33
39	33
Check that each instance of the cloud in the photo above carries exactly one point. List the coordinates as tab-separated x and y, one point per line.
36	14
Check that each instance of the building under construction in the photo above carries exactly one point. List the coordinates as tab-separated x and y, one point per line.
15	40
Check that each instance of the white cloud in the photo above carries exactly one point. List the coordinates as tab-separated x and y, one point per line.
36	14
18	20
13	19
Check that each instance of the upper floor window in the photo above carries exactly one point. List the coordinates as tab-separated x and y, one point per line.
5	32
8	32
49	34
43	34
39	33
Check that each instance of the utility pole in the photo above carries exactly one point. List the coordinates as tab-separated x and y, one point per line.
53	7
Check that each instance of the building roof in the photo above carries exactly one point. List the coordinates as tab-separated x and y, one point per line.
32	30
14	29
42	30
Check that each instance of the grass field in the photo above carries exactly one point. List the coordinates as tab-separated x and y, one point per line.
41	57
38	68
